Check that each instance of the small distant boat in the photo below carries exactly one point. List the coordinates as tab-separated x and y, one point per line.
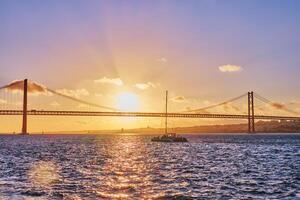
168	137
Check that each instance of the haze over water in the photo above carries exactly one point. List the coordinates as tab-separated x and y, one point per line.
133	167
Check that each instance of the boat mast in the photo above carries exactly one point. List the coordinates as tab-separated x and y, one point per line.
166	118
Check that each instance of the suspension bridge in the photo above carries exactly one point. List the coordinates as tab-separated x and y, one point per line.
27	86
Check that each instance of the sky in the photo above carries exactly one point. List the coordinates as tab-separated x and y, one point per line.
202	51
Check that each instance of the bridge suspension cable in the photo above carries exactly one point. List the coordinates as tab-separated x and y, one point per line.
216	105
69	97
81	101
10	100
275	105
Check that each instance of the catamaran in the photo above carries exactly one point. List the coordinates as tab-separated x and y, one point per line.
168	137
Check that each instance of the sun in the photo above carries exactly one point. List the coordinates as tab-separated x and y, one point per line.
127	101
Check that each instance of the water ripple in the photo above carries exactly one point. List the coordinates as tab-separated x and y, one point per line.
131	167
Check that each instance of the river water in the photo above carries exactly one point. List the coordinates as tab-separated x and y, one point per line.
132	167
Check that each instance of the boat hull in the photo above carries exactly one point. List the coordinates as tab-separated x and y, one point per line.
169	139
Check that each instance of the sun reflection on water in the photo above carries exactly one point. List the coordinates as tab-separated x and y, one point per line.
131	167
127	173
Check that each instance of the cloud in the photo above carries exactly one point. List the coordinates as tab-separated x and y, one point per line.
230	68
278	105
113	81
144	86
283	107
179	99
33	87
74	93
162	59
54	104
294	102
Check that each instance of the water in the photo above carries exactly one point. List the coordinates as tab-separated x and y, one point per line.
131	167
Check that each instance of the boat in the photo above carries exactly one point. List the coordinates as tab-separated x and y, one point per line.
168	137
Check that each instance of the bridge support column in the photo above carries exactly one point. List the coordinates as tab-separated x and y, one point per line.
251	118
166	119
24	125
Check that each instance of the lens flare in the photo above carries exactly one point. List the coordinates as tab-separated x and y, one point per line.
43	173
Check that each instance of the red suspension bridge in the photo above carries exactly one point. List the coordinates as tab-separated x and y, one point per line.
26	86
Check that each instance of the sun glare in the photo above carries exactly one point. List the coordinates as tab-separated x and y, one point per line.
127	101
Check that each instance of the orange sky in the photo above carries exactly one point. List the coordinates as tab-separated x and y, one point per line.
203	52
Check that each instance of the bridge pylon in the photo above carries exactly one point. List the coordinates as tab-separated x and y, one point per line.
251	116
24	124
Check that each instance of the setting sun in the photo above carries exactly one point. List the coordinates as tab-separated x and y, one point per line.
127	101
149	99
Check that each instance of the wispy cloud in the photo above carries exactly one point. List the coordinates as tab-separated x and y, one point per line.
33	87
162	60
144	86
294	102
278	105
113	81
230	68
179	99
74	93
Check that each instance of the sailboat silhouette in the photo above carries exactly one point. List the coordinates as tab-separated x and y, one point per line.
168	137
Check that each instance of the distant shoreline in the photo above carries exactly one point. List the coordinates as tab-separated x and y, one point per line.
150	134
262	127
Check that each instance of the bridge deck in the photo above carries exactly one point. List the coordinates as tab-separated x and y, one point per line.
140	114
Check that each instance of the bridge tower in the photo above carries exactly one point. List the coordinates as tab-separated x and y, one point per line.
166	118
251	118
24	125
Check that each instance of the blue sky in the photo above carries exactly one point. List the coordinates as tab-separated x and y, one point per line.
179	45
